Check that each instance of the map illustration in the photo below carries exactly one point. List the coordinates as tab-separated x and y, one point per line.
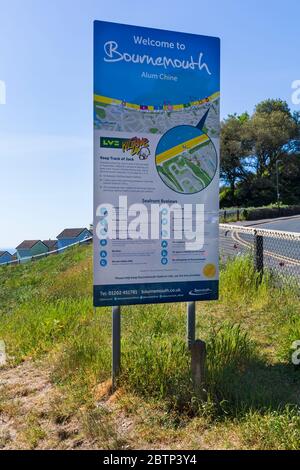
186	159
117	115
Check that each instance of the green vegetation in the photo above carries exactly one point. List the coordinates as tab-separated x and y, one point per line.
252	388
252	148
164	169
101	114
199	172
33	432
257	213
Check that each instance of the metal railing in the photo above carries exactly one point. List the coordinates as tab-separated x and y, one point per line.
274	250
26	259
234	214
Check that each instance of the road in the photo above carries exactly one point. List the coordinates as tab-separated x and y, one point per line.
285	224
280	254
178	149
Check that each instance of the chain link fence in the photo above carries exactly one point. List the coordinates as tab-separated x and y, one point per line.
275	251
272	250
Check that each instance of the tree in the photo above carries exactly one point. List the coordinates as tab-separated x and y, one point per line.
250	148
267	131
270	105
289	179
233	152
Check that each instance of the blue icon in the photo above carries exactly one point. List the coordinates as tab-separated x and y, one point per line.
103	211
103	262
164	244
164	253
164	261
103	222
103	242
164	211
164	221
103	254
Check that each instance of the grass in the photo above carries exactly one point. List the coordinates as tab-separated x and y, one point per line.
251	386
273	430
97	425
33	432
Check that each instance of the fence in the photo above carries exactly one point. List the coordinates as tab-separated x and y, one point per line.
47	253
233	215
257	213
276	251
272	250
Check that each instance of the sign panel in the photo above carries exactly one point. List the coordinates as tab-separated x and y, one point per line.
156	164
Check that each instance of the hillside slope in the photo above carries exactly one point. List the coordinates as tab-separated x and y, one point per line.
55	389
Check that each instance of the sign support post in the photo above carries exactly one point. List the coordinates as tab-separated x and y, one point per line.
116	344
191	323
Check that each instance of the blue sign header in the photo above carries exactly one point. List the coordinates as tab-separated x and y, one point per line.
154	67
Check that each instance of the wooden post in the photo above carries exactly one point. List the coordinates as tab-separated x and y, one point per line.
190	323
198	360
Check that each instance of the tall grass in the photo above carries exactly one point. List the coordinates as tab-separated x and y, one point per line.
240	282
273	430
46	308
37	327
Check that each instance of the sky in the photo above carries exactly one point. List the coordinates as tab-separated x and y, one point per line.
46	63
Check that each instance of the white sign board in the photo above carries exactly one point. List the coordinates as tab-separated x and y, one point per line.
156	164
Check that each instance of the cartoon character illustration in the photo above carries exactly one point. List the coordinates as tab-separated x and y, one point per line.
144	153
137	146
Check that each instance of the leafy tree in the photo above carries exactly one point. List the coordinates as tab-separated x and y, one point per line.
267	131
233	152
289	179
250	148
270	105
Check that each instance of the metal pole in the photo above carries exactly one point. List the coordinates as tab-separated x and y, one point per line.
259	253
277	183
191	323
116	344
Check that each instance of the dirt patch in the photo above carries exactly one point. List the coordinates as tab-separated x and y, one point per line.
34	414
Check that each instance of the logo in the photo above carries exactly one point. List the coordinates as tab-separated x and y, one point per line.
200	291
111	142
136	145
209	270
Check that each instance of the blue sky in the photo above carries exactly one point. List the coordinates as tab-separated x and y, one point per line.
46	63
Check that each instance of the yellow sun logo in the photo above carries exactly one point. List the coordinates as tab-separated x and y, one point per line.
209	270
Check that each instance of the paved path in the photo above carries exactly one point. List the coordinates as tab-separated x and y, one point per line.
286	224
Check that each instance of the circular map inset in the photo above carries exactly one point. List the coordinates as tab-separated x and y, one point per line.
186	159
